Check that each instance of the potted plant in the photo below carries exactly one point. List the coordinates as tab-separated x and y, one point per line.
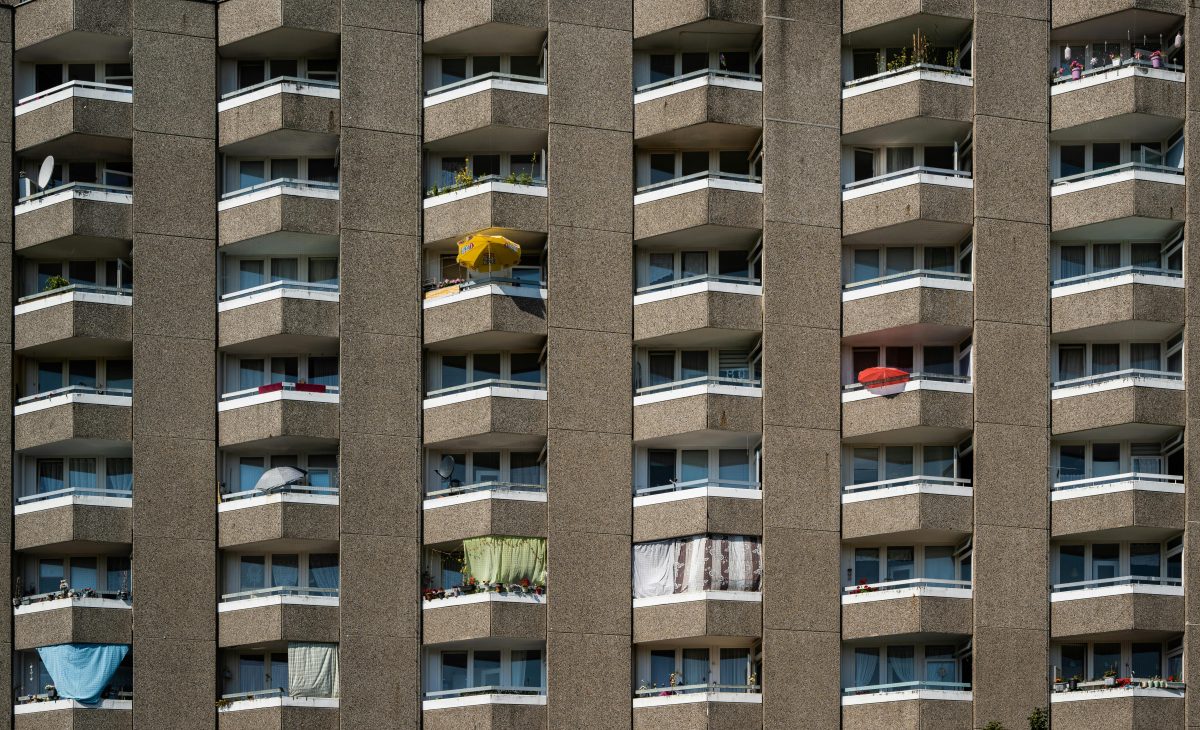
1114	58
539	589
1110	677
1073	684
1076	70
55	282
1156	59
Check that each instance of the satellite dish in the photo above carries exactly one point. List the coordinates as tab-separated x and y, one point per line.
45	171
446	468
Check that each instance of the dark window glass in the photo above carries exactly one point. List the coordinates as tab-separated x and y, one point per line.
84	172
282	67
82	372
866	63
47	76
939	360
732	263
940	157
738	61
662	66
1070	563
1074	661
864	165
119	374
735	162
694	62
322	169
453	70
694	162
251	73
900	357
1071	159
1147	660
486	367
524	66
1105	154
484	165
662	167
526	368
1106	459
1105	658
81	72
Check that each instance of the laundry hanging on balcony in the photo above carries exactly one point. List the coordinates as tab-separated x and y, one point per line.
82	671
488	253
500	559
697	563
313	670
878	377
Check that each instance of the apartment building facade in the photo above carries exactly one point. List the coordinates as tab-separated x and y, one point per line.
840	382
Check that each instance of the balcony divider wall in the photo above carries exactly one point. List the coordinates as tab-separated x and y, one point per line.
1011	379
6	369
1191	433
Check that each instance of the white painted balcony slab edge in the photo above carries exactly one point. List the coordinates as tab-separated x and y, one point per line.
32	707
259	398
70	501
694	390
109	603
749	698
1123	72
917	694
694	185
536	191
887	390
1125	590
248	502
1115	384
484	597
493	699
889	287
697	493
1120	280
68	398
908	78
523	87
284	87
753	290
898	593
487	290
901	491
119	300
1115	488
1114	178
278	293
486	392
1109	694
104	92
509	494
268	702
262	601
97	196
744	596
919	178
275	191
696	83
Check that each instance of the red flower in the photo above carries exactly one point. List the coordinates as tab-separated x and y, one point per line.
524	582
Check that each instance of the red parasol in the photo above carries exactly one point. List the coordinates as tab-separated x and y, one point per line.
879	377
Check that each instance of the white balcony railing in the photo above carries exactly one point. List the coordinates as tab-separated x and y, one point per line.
1132	376
920	170
299	489
949	71
907	584
1134	167
685	689
1151	271
912	378
86	89
492	689
905	275
76	390
104	193
279	591
294	186
116	291
704	73
1118	582
76	492
293	84
707	175
491	486
283	288
489	76
1154	480
677	486
912	686
73	594
917	481
1108	67
699	279
489	383
703	380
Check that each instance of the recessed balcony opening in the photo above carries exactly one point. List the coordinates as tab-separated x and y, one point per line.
720	266
1076	167
917	44
250	278
248	180
1092	265
245	80
939	360
46	583
36	81
452	176
108	180
250	479
1087	570
447	280
1081	368
249	380
491	568
1089	670
279	674
723	671
103	280
885	572
727	61
1080	62
707	567
48	678
871	270
451	77
304	578
872	170
725	470
881	471
482	473
1092	468
896	672
487	672
663	174
455	377
55	480
47	383
667	374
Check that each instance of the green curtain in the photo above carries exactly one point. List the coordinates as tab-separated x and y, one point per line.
505	559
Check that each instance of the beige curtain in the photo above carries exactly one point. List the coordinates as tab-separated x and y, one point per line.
313	670
505	559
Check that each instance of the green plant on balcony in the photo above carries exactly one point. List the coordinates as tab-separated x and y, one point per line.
1039	719
55	282
463	177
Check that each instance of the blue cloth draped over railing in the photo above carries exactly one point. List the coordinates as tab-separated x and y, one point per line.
82	671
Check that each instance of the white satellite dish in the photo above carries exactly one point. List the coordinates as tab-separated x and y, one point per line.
45	171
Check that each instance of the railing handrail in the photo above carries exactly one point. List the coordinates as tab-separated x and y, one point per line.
1113	169
907	583
487	383
82	288
281	284
698	279
483	280
77	491
279	591
81	187
1118	271
904	481
699	73
82	389
1119	580
1103	684
255	694
916	170
485	77
696	688
279	80
538	182
55	595
901	275
707	174
286	385
485	689
949	70
120	88
498	486
1115	478
932	377
697	484
44	697
701	380
906	686
291	182
1131	373
1107	67
286	489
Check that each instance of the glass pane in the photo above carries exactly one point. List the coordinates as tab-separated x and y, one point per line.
50	575
487	669
866	466
900	357
251	73
863	358
1106	459
1070	563
735	666
451	166
1074	661
285	570
660	467
866	565
1147	660
864	165
285	168
284	369
251	172
939	562
81	272
46	76
662	368
662	66
82	373
251	673
1145	356
734	465
694	162
1071	362
323	570
1145	559
45	271
1106	561
252	572
83	574
940	157
117	569
454	667
323	370
485	467
278	676
323	69
1106	358
662	268
1105	658
662	665
1071	159
250	273
50	376
662	167
1105	154
453	70
49	475
866	667
1145	254
485	366
481	65
1106	256
939	360
526	368
1072	261
694	465
119	374
695	666
940	258
900	259
323	271
525	66
693	364
900	664
322	169
938	461
738	61
899	158
527	668
283	67
899	462
83	473
736	162
865	64
250	468
524	468
866	264
695	263
285	270
900	564
484	165
940	665
733	263
454	370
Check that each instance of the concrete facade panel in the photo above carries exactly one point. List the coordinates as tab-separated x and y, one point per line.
948	515
905	308
72	624
733	413
1117	304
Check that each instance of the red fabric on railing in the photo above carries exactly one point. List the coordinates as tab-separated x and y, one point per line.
310	387
271	388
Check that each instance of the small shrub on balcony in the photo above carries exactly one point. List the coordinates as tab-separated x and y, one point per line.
55	282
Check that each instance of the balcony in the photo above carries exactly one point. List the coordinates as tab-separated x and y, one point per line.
484	707
278	614
47	714
700	506
718	407
1120	303
87	616
707	310
919	298
466	614
725	613
509	413
70	218
284	208
698	706
1132	200
482	26
87	520
51	30
76	412
74	320
295	416
486	313
290	513
490	205
925	408
491	112
76	119
932	205
1150	503
280	117
708	108
286	28
1142	704
922	103
904	607
485	508
1109	100
1106	608
1121	404
282	316
908	705
699	209
908	508
274	708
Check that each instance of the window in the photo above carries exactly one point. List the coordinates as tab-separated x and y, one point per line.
453	70
452	371
463	669
323	69
727	667
290	573
689	468
1071	160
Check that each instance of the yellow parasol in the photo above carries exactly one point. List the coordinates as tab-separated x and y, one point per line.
488	253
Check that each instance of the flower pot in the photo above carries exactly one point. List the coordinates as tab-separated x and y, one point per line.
1073	685
1116	62
1155	62
1110	681
1076	74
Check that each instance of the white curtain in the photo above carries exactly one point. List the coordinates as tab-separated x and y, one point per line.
697	563
653	568
313	670
866	665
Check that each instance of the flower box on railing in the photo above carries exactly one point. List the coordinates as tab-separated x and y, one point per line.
652	690
938	587
522	589
72	595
